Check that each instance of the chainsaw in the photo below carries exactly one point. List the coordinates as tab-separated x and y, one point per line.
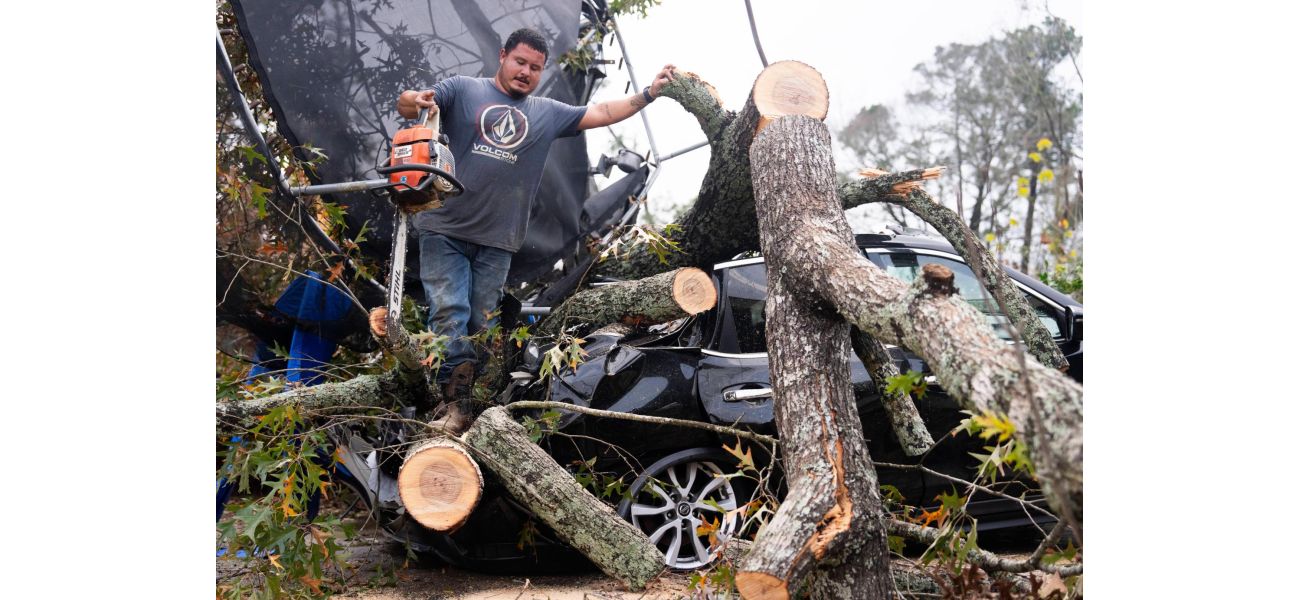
420	174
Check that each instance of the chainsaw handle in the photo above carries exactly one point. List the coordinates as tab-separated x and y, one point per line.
424	116
457	188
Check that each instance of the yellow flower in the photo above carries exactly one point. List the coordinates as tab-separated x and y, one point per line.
1074	254
1036	157
1023	192
1014	222
1065	223
1069	233
1022	182
1044	144
989	237
1046	175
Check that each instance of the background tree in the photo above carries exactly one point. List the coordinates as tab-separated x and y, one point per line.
982	110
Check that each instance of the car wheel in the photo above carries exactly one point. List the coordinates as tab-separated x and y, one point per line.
676	495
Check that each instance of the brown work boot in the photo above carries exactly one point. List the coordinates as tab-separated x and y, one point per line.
450	419
460	385
458	397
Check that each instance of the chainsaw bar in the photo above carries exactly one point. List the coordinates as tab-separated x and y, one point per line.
397	274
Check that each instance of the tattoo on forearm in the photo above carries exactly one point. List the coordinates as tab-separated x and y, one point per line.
608	115
638	102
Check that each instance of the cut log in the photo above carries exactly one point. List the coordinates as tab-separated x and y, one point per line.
534	479
789	88
440	485
829	531
656	299
721	224
971	363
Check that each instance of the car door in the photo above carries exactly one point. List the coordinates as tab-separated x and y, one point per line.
733	381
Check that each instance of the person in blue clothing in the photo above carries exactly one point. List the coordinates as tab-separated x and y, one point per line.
500	135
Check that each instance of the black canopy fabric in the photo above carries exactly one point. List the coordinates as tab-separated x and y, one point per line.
332	70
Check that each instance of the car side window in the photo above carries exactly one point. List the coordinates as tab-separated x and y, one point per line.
746	329
907	267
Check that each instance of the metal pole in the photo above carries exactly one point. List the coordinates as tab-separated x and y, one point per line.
246	115
618	33
309	223
682	151
753	30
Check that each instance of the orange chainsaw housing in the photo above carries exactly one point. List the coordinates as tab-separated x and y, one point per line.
411	146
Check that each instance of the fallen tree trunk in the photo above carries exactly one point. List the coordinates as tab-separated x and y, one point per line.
949	224
533	478
656	299
829	528
971	363
721	222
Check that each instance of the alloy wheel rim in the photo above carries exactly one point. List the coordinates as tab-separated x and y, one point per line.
675	502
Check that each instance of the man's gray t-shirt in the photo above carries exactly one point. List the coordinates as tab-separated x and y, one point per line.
500	144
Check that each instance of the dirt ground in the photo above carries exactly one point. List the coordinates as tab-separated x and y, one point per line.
428	580
382	571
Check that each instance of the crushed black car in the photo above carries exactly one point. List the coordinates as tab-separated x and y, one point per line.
713	368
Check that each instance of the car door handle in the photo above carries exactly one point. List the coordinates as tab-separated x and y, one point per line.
738	395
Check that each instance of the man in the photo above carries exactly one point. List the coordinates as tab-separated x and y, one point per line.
500	136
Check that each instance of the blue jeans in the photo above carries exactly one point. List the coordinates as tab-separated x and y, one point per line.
462	282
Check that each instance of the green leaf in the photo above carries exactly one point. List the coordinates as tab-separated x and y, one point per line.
1068	553
251	155
253	516
258	194
952	501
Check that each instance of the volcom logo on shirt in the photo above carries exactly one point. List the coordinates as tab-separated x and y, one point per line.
502	127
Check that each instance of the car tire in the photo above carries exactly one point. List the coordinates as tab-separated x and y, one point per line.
668	502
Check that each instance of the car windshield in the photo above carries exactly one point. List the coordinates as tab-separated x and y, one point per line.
907	267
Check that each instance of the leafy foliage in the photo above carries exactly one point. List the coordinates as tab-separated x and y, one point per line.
289	555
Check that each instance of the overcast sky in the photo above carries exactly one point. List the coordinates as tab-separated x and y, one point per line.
864	50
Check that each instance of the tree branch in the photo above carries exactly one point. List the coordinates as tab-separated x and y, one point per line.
605	414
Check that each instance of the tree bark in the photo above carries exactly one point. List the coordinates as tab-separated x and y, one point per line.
533	478
829	529
656	299
950	226
721	223
384	390
904	419
971	363
396	341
